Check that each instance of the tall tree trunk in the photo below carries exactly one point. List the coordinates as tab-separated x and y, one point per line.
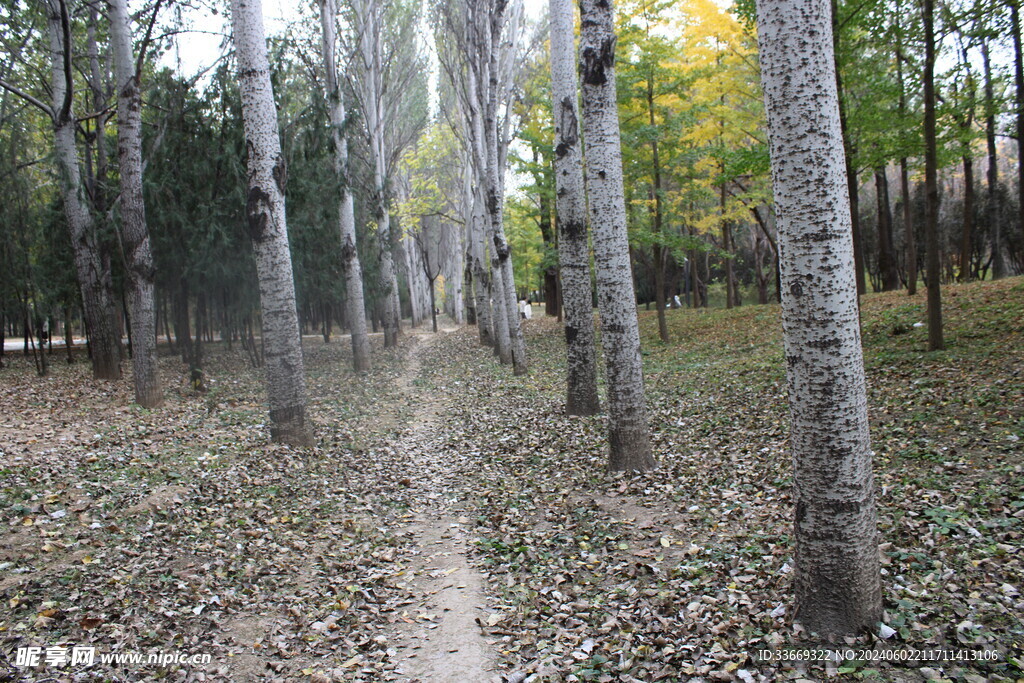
368	25
886	249
967	235
992	174
657	249
931	186
92	269
352	271
908	228
501	257
265	216
629	437
909	239
571	220
853	188
837	580
730	281
481	275
135	234
1018	80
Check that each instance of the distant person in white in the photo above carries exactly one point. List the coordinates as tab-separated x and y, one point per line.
525	309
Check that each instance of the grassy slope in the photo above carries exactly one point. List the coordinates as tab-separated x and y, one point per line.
684	572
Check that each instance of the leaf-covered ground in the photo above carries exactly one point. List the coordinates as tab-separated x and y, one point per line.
182	529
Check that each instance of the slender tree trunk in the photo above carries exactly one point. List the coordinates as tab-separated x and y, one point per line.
352	271
657	250
730	281
967	235
368	25
1018	80
849	151
629	434
265	216
92	269
886	249
908	228
837	580
501	261
571	220
931	186
135	233
992	174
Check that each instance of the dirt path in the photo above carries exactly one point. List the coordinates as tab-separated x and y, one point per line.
439	635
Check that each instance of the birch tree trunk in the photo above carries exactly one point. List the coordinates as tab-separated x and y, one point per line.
501	261
629	436
92	270
837	581
571	217
351	268
368	26
265	216
135	233
481	274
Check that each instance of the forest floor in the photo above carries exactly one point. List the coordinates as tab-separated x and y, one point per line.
453	524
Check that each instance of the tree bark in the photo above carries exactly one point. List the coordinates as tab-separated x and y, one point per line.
501	257
629	437
92	269
351	268
992	175
1018	80
135	233
571	220
369	29
837	580
853	188
967	235
890	277
266	223
931	186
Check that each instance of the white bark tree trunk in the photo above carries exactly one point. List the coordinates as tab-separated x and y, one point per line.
368	27
481	273
501	261
837	576
571	211
265	216
629	437
351	268
92	270
135	233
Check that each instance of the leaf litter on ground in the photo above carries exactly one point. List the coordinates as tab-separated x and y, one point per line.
184	529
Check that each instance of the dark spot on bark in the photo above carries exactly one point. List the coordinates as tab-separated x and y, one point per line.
574	230
492	202
825	343
801	511
500	248
280	174
614	328
567	128
570	334
257	207
248	73
796	289
843	506
595	63
348	251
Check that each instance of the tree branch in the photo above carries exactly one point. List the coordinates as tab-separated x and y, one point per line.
25	96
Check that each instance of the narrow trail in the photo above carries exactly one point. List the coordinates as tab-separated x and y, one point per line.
439	635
